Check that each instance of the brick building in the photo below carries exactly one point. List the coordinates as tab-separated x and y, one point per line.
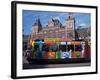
54	29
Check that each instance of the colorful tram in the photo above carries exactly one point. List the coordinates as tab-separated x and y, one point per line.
59	49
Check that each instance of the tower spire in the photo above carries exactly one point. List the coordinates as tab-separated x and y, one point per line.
71	15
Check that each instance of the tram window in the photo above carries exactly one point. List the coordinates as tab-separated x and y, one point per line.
54	48
62	47
45	47
78	47
70	47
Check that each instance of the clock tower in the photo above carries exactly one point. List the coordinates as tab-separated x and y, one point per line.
70	28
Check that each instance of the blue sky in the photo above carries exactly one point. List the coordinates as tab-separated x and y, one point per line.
29	17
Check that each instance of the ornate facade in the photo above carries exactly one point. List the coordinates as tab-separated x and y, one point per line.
54	29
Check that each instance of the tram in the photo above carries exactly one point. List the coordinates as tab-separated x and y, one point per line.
58	49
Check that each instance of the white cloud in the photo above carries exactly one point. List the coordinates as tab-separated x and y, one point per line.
83	25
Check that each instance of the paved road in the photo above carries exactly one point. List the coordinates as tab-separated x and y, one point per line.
35	66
